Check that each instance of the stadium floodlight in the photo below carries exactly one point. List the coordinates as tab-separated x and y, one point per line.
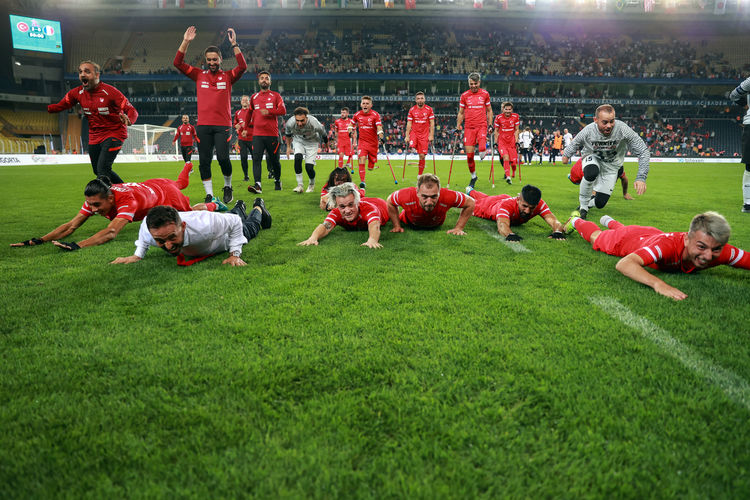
149	139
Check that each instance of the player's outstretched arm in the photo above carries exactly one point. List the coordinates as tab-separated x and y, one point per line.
109	233
466	212
393	215
555	224
632	266
373	241
319	232
57	233
126	260
503	226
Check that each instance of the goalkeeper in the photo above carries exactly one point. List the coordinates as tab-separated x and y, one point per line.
303	132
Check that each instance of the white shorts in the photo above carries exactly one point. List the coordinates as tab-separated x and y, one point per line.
306	148
608	174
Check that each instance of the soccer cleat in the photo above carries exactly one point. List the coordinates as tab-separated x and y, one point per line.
310	188
569	226
246	179
265	217
270	175
277	185
362	185
227	197
469	189
507	179
220	207
240	209
746	208
298	189
255	189
472	182
584	213
209	198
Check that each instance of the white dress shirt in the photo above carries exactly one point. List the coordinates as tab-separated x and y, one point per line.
206	233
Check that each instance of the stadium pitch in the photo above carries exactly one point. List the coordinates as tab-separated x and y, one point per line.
436	367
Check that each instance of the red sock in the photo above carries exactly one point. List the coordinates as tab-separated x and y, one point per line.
184	178
362	171
513	166
341	161
477	195
586	228
470	162
506	167
421	166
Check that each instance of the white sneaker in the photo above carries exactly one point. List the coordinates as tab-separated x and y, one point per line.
298	189
310	188
482	155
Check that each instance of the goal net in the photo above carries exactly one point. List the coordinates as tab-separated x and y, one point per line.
150	140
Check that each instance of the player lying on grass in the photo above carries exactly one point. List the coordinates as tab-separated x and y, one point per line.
338	175
121	204
703	246
604	145
353	214
576	175
510	211
194	236
425	206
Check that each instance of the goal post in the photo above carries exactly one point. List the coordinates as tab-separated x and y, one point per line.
149	140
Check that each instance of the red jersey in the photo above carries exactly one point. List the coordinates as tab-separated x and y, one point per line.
663	251
102	106
133	200
420	120
267	125
213	90
415	215
342	130
504	206
506	127
475	106
186	133
367	124
370	210
245	118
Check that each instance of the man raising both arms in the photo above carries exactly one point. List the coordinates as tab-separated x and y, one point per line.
186	134
214	93
425	206
508	211
302	133
370	132
420	128
475	107
604	144
507	125
344	126
703	246
108	113
266	107
244	126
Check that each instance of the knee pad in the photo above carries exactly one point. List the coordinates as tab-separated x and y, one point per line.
600	200
298	159
590	172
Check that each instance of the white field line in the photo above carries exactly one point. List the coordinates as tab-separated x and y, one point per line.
734	386
516	246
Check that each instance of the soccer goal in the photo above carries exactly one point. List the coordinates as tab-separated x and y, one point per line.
150	140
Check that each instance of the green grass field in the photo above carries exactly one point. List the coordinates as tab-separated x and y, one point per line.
436	367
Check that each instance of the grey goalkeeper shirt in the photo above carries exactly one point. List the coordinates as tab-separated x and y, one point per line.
740	94
611	150
312	131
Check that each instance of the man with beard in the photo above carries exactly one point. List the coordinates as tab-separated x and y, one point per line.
108	113
703	246
303	132
266	107
194	236
604	144
420	128
510	211
507	125
425	206
344	126
353	214
214	92
475	106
